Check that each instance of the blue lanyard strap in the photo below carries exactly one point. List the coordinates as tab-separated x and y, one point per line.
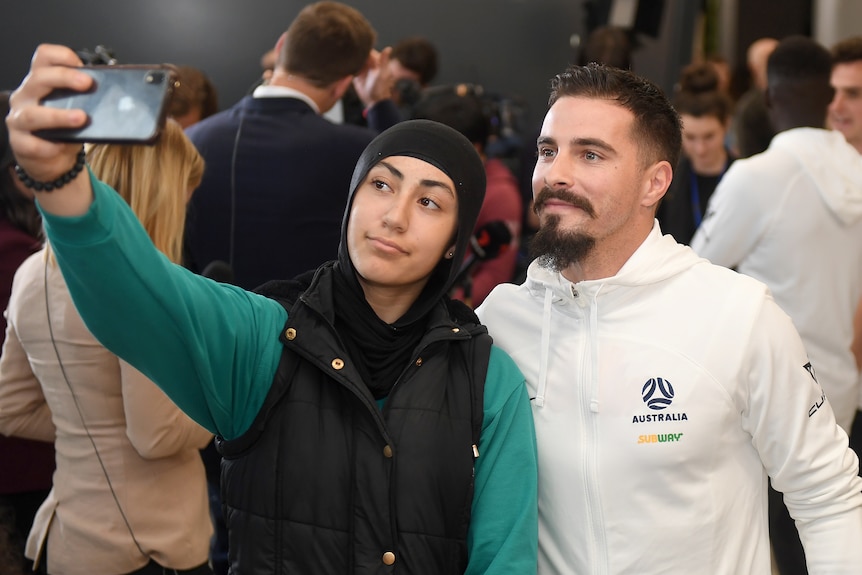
696	212
695	200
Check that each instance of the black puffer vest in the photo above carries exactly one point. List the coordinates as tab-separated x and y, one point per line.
341	487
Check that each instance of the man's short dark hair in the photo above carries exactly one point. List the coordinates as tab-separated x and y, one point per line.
798	88
326	42
657	128
458	107
418	55
847	51
798	58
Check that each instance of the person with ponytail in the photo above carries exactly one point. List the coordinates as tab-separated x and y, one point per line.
705	112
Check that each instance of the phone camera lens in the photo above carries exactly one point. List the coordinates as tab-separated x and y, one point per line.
155	77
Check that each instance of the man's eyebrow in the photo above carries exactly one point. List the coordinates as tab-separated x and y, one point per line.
593	143
580	142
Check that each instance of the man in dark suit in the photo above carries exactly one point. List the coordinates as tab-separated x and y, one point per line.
277	173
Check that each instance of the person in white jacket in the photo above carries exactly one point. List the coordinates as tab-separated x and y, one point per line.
791	217
664	388
845	116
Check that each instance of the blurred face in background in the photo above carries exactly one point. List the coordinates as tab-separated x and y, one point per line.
703	143
400	72
845	111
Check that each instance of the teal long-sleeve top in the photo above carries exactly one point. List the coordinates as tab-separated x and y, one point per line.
213	348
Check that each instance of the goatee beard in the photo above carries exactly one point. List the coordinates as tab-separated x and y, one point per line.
558	249
555	248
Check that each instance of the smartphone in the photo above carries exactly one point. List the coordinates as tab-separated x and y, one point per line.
127	104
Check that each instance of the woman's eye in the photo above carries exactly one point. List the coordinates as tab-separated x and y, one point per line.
380	184
429	203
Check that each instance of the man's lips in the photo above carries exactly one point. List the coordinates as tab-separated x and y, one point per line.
553	206
558	204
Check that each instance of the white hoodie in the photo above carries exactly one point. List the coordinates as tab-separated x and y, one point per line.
662	396
792	218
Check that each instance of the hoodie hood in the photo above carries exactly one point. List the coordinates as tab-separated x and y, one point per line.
834	166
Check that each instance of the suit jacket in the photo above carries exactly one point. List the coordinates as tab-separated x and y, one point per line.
274	189
148	447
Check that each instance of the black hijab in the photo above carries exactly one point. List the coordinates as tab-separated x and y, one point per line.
382	350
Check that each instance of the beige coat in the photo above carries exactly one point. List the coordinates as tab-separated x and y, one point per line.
148	447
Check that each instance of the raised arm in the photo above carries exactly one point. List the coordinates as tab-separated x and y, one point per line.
212	348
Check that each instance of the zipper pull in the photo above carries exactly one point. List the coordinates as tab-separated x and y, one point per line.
475	452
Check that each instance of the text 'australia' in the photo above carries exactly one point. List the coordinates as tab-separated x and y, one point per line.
659	417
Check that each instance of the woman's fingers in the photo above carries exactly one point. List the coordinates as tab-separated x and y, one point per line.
52	68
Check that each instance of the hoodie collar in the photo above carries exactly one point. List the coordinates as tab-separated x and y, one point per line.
657	258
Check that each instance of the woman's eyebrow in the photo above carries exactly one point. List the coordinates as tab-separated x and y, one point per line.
425	183
437	184
395	171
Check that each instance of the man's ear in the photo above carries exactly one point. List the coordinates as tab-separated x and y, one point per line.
278	45
658	178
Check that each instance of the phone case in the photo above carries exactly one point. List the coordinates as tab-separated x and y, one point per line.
127	104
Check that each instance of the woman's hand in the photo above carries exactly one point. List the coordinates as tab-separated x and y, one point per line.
52	67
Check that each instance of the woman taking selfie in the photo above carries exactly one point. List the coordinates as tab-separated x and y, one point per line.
366	423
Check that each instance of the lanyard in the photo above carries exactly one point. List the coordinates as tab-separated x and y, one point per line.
696	212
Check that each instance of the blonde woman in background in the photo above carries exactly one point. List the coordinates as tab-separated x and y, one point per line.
129	493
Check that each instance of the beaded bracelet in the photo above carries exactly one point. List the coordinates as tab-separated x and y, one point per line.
56	184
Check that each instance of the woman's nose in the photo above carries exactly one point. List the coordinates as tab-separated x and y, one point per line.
397	215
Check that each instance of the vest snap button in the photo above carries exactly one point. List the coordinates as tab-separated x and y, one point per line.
387	451
419	362
389	558
456	330
290	334
337	363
